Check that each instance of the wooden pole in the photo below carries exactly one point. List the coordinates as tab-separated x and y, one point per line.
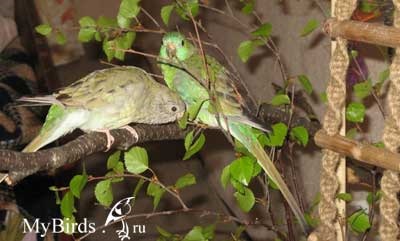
372	33
364	153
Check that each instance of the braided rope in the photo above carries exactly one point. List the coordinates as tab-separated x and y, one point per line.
390	183
336	93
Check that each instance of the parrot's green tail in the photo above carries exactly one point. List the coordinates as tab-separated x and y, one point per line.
54	128
245	135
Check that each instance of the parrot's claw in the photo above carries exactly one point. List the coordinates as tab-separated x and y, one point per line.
110	139
132	131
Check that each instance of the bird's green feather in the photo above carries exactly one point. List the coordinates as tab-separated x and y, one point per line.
184	71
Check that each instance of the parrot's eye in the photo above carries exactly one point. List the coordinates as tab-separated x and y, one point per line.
183	42
174	109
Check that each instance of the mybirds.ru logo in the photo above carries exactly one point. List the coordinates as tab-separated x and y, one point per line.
117	214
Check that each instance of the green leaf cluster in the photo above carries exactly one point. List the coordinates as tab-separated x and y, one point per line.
192	144
184	8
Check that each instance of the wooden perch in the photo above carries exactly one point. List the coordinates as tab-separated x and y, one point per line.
365	153
372	33
20	165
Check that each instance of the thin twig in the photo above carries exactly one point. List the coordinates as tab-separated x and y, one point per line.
224	218
151	18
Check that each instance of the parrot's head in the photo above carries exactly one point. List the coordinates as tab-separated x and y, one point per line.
176	47
169	106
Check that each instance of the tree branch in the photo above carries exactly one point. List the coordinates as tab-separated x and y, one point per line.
372	33
20	165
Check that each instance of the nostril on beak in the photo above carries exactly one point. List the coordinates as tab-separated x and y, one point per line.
171	51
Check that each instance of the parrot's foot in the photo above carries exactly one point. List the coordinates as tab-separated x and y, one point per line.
132	131
110	139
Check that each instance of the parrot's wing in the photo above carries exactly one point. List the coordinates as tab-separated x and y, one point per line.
231	103
103	87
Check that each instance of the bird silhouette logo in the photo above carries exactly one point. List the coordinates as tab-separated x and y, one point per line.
120	210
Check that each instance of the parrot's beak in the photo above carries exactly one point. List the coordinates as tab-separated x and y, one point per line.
171	50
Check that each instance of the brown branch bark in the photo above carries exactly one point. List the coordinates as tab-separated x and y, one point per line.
20	165
372	33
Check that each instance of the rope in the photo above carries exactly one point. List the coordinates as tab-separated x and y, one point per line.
390	183
336	93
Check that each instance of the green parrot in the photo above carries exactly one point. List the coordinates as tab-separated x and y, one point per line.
211	91
104	100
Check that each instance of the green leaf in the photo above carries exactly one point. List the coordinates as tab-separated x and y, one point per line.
347	197
67	205
310	27
77	183
156	192
103	192
196	234
239	230
241	169
194	110
351	133
379	144
280	100
188	140
374	198
113	160
248	8
300	134
163	232
363	89
112	176
136	160
355	112
354	53
87	22
238	186
359	222
209	231
166	13
139	186
256	168
323	97
184	8
87	30
195	147
246	199
109	48
123	22
43	29
278	135
272	184
184	181
182	122
60	38
384	75
124	42
305	82
245	50
263	31
225	176
312	222
105	22
86	34
128	9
